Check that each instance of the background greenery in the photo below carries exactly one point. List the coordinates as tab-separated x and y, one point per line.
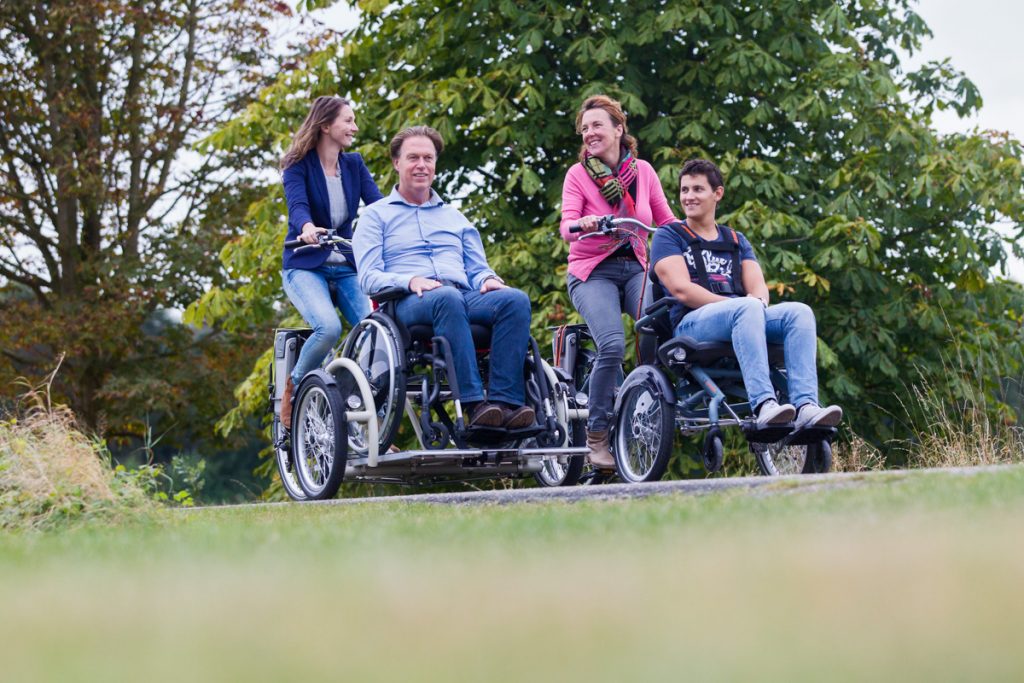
853	202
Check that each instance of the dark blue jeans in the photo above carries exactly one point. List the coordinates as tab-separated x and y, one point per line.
316	292
506	311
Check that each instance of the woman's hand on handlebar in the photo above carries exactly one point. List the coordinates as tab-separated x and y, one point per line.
589	223
310	233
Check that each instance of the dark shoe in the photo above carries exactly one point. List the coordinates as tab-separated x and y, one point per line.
485	414
286	404
517	418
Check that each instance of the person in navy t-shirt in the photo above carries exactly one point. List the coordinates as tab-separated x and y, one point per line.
723	296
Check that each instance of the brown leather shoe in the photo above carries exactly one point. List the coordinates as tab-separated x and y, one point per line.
517	418
600	456
485	414
286	403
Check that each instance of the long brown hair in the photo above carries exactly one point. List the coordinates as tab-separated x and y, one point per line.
616	114
323	112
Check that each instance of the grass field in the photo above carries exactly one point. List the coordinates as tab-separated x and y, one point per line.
902	576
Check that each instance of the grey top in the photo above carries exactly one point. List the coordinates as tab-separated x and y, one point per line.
339	209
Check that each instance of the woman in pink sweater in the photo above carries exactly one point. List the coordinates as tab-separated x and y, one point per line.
606	274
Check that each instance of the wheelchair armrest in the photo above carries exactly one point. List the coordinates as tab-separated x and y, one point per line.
659	305
389	294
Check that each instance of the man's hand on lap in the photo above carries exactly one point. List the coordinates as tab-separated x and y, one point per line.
492	284
419	284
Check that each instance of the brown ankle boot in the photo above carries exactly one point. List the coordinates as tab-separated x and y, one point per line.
286	404
600	456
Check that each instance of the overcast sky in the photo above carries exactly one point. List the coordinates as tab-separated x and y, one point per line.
981	37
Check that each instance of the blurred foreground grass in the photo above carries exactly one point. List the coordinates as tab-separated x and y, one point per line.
896	576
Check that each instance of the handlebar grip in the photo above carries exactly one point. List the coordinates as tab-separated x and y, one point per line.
291	244
576	228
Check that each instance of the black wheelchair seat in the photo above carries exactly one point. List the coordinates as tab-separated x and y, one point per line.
684	349
424	333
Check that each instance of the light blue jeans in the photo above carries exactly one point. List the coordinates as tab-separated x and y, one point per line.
750	327
316	292
506	311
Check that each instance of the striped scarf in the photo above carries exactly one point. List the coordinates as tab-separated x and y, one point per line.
615	185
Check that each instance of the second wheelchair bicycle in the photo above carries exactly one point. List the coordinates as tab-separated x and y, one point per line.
696	387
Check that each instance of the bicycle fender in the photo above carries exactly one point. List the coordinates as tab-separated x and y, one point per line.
641	373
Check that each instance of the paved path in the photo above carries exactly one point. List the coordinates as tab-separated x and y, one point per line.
689	487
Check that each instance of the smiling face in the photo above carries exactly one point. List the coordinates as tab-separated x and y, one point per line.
415	164
601	136
343	129
697	197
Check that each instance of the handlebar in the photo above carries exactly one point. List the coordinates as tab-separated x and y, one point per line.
607	225
322	240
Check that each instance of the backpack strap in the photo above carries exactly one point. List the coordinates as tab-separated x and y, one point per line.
736	276
693	242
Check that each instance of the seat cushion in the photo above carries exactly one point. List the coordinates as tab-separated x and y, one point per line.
707	352
424	333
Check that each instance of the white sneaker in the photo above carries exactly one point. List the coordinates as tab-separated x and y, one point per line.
770	413
811	416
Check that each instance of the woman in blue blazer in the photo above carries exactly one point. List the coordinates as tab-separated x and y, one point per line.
323	187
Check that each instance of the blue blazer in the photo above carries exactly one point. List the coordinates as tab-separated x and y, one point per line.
305	191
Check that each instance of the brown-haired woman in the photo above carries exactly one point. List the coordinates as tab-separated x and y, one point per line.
606	274
323	186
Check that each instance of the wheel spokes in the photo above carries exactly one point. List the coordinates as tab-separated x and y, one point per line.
644	434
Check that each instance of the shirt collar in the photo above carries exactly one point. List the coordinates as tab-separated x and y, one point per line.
396	198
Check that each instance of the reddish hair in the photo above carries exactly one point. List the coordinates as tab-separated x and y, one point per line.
615	113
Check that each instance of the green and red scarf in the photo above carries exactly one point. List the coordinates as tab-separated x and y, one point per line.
618	186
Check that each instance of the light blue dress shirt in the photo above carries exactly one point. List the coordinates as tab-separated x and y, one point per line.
396	241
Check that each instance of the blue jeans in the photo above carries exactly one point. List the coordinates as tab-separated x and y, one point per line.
315	293
614	286
506	311
750	327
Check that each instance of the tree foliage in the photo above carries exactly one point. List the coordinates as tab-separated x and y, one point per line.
108	217
853	202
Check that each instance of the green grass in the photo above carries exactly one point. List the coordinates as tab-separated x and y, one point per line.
895	576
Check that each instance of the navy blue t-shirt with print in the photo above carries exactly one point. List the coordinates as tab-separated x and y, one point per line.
668	242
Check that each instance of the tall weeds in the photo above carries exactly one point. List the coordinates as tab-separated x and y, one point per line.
53	475
960	428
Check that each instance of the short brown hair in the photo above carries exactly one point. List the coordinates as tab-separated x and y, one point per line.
414	132
705	168
616	114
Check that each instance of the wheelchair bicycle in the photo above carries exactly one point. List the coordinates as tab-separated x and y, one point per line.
346	415
693	387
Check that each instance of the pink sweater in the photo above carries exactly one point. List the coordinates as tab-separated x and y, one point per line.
581	197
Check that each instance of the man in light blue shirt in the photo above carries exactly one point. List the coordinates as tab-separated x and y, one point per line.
412	239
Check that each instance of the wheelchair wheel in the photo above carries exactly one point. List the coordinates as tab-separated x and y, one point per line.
643	432
285	464
374	345
776	459
555	472
714	452
819	458
319	441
